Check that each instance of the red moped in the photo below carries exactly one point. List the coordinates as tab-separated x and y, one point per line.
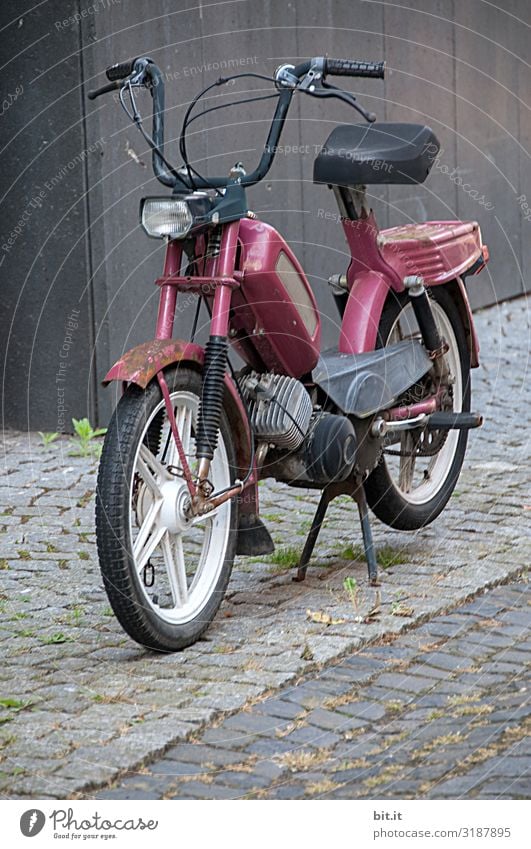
384	417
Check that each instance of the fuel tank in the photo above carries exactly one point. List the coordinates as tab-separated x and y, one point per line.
275	324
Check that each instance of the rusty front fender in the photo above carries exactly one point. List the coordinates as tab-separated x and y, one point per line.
141	364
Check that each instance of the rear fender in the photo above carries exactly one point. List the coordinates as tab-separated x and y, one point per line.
141	364
364	308
459	294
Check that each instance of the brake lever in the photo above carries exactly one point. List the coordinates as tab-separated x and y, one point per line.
328	90
92	95
137	79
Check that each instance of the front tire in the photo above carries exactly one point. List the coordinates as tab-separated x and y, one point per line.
165	575
409	491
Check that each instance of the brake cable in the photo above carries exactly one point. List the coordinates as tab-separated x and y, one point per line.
187	122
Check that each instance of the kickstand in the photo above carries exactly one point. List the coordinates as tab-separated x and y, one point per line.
311	539
328	494
368	544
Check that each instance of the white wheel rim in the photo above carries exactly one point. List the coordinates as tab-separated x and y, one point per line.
183	558
432	473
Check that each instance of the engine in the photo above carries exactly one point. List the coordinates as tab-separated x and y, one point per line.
280	408
306	445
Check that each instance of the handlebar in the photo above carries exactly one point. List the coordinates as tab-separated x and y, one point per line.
142	71
121	70
352	68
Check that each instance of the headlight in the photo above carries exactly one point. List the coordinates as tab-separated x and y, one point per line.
166	217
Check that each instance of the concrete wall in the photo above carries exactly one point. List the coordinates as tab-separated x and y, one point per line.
80	258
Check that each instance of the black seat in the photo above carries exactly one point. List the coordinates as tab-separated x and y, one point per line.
364	154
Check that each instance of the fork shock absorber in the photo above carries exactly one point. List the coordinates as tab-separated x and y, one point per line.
209	416
420	302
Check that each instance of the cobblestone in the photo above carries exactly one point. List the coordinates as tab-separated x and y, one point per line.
79	684
453	742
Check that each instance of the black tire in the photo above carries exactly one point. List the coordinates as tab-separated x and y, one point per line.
123	504
415	509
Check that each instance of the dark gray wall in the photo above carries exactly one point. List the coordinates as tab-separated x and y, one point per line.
459	66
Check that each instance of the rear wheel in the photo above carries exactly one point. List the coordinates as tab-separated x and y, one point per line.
165	573
418	471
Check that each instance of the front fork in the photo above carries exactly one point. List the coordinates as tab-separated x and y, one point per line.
221	267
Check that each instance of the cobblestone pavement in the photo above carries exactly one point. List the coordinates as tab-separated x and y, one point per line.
441	712
81	705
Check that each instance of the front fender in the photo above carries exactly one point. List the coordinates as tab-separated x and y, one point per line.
141	364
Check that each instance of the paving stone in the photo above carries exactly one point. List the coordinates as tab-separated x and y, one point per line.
365	710
288	792
455	788
278	708
405	682
330	720
198	790
189	753
442	660
311	736
243	781
252	723
226	737
425	671
505	788
268	747
175	768
268	769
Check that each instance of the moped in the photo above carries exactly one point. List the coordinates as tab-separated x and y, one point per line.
383	417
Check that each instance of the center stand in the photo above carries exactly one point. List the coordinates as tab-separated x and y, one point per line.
357	493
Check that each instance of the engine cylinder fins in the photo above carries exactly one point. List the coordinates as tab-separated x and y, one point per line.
280	408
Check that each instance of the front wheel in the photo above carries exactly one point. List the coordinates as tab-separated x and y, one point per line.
417	473
165	574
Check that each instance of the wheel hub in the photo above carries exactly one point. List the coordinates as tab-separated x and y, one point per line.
174	506
174	509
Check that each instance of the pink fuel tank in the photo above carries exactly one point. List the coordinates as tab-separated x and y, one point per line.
275	323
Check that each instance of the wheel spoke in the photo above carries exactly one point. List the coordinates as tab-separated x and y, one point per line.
176	568
154	465
148	478
184	426
206	517
407	462
148	536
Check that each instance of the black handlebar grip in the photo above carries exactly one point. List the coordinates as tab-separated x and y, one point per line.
352	68
121	70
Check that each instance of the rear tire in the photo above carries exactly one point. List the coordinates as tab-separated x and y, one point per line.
408	497
165	575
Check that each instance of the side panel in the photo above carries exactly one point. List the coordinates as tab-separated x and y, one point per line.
362	315
275	319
